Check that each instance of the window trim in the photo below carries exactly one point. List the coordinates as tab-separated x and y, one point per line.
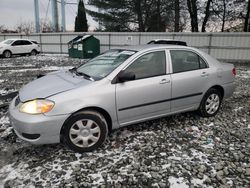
187	50
167	70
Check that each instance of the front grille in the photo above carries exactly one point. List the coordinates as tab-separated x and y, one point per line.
17	101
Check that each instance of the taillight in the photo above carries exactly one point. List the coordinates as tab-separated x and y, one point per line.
234	71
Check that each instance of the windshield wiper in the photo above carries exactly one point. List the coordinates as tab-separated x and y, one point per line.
74	70
85	75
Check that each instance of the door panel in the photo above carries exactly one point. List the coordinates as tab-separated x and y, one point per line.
26	47
16	47
148	95
187	89
143	98
190	79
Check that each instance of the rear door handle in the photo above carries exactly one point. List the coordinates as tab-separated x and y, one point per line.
164	81
204	74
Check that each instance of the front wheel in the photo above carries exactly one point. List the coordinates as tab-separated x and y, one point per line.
210	103
85	131
7	54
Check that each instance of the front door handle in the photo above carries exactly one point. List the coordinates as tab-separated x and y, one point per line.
164	81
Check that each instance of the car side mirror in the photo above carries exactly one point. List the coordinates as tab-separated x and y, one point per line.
124	76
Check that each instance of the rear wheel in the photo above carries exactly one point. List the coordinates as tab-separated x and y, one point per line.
7	54
33	52
210	103
85	131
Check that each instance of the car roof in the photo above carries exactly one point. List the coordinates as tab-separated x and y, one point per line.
18	39
152	47
165	40
148	47
168	41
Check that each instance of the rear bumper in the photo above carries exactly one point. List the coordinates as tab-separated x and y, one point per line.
36	129
229	89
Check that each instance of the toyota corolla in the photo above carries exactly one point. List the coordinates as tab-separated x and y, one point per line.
118	88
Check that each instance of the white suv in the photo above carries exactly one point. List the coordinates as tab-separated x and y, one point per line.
10	47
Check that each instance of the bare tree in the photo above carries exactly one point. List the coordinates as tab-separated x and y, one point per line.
25	27
192	9
246	23
207	15
177	15
2	28
224	15
138	10
229	13
46	26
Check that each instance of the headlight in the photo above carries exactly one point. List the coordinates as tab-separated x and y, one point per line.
38	106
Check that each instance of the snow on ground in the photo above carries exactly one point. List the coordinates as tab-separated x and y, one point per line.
244	74
177	151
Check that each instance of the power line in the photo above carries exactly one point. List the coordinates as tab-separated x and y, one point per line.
73	11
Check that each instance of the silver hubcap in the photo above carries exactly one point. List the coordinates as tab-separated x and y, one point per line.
212	103
7	54
84	133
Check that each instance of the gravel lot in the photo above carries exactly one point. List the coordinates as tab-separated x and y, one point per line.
184	150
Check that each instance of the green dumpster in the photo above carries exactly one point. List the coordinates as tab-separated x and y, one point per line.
84	46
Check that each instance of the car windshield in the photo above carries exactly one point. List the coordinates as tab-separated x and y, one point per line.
7	41
102	65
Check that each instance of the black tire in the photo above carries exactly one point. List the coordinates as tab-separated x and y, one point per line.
7	54
71	124
33	53
206	111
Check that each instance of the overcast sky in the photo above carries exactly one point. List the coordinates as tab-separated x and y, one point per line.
13	12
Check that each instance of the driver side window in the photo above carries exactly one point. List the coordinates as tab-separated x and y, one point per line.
149	65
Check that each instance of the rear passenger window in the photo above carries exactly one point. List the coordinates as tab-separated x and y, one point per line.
183	61
202	63
25	42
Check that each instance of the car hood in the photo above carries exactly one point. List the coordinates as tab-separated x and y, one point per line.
3	45
51	84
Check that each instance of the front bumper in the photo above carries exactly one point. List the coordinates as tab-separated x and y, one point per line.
45	128
1	51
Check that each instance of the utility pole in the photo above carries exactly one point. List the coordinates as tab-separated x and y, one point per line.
54	15
63	15
37	19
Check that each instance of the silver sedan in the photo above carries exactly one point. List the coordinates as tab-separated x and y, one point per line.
117	88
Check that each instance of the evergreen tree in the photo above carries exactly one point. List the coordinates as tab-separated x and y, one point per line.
112	15
81	23
132	15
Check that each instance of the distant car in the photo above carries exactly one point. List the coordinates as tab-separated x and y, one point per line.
120	87
167	41
11	47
